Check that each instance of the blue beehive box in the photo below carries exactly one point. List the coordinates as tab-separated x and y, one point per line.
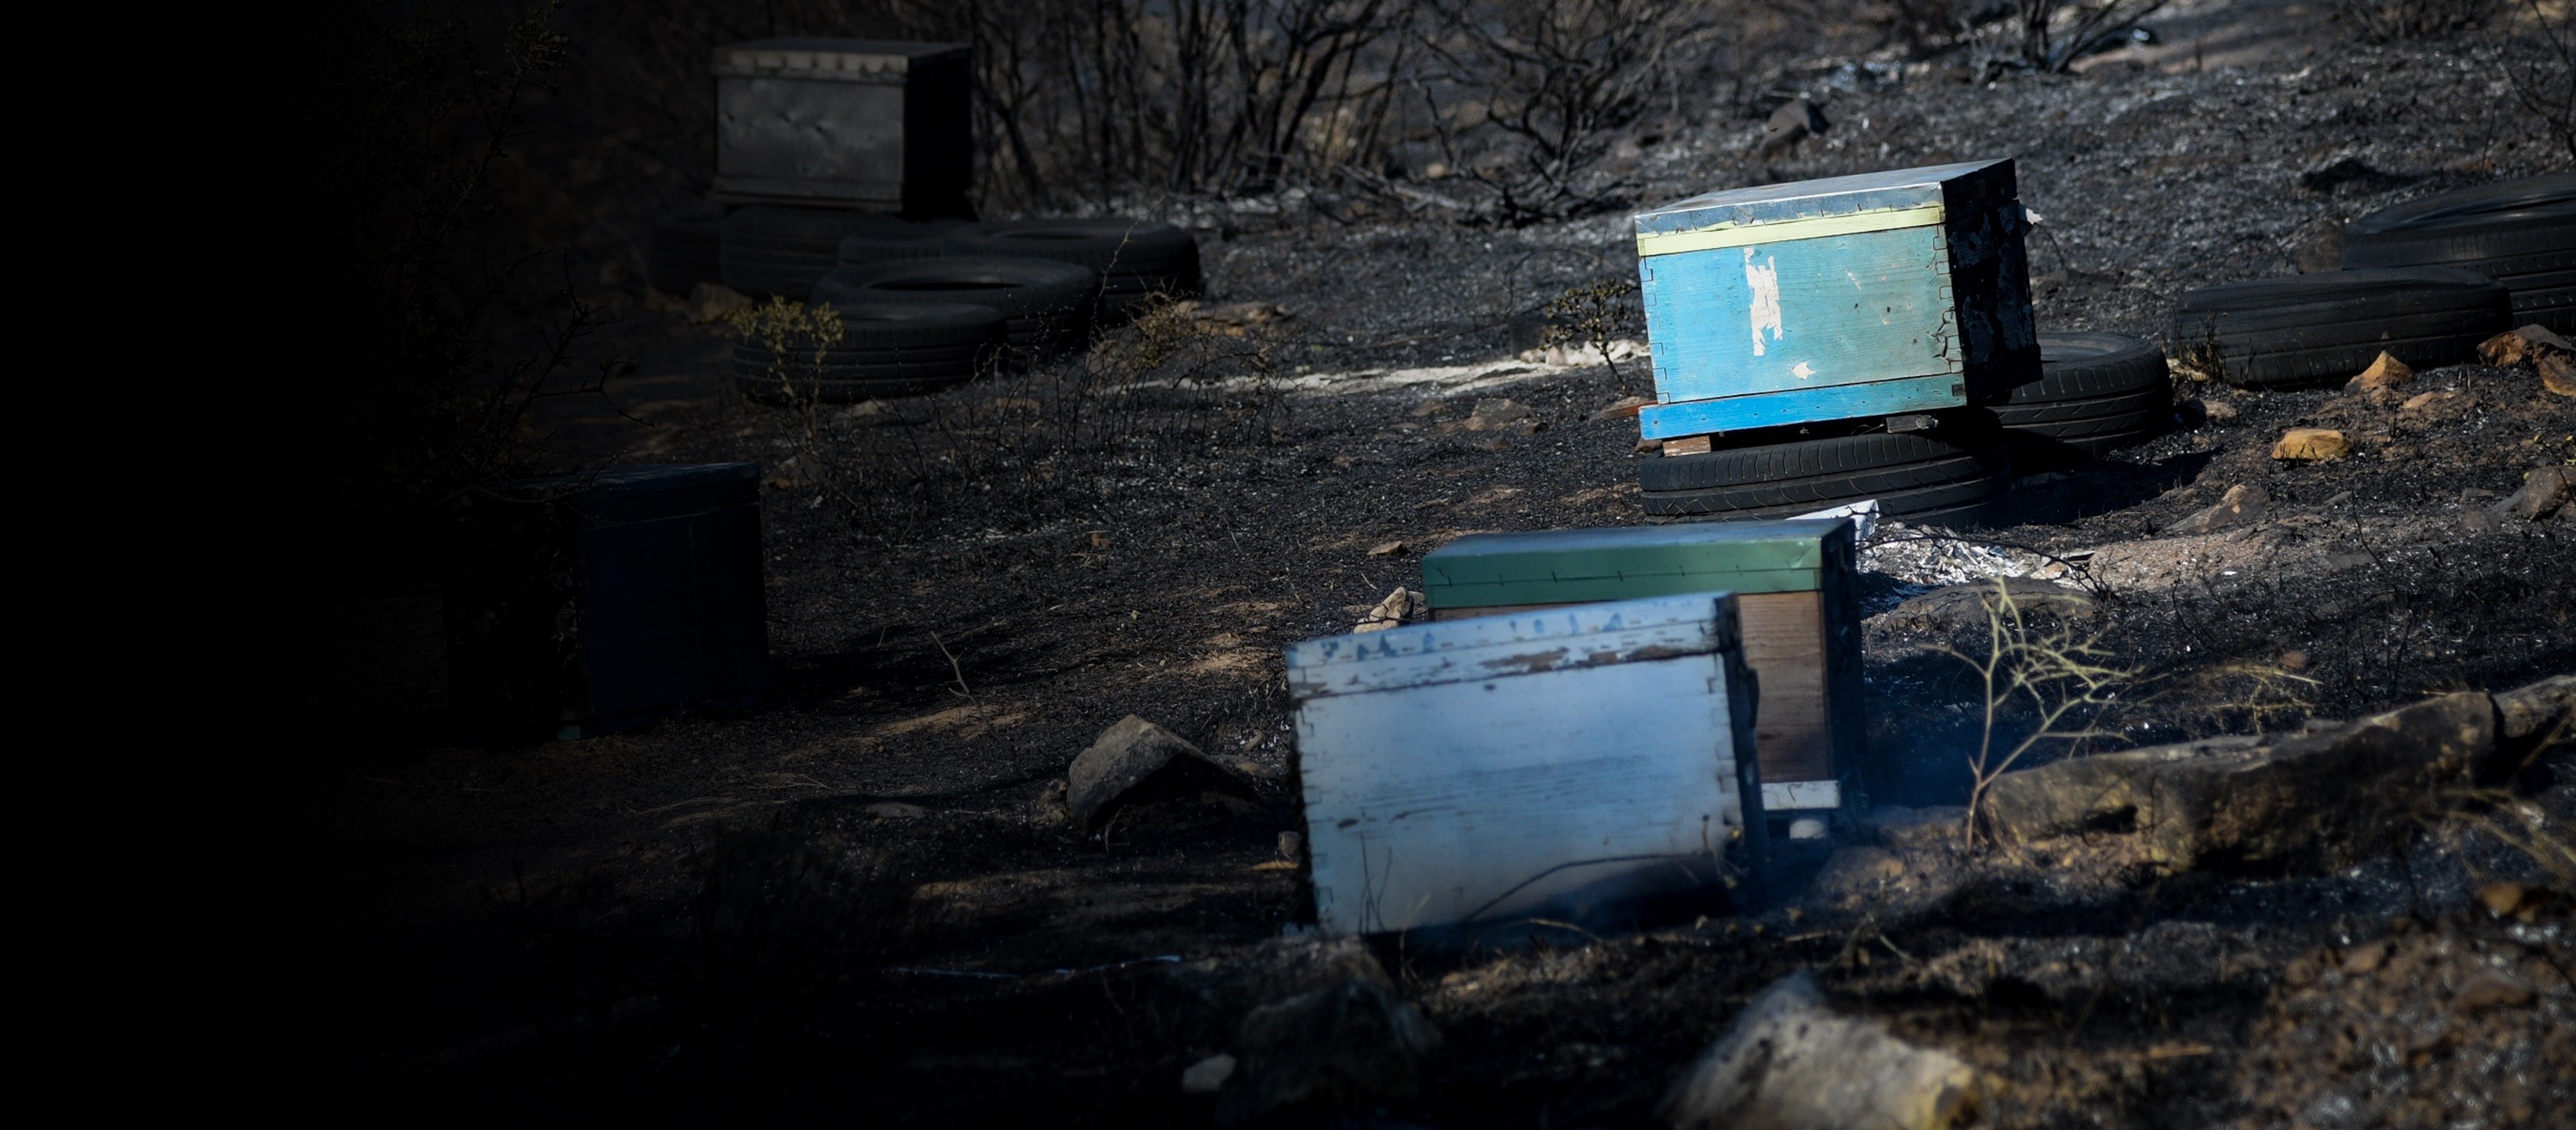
1871	295
584	604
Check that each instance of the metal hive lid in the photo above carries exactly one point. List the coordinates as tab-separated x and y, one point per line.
1515	644
1899	197
1778	556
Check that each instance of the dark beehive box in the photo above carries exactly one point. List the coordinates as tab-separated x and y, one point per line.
584	604
844	122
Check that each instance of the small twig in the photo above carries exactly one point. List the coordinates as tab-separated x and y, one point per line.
953	668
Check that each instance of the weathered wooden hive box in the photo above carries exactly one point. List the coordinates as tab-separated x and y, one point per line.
584	604
1586	764
1794	595
1885	293
844	122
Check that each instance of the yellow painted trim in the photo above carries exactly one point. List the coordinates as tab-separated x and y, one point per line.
1814	227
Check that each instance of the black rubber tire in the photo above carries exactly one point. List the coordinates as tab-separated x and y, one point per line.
1826	490
2521	233
924	240
681	251
1973	516
1963	432
2086	366
771	249
2093	386
888	341
869	328
2315	330
2148	418
1046	305
917	325
1138	261
2033	453
1109	245
2054	411
1893	503
2104	444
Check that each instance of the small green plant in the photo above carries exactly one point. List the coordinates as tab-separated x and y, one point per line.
2055	674
791	331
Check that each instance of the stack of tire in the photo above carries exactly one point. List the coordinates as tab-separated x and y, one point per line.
886	349
895	244
2424	282
776	250
2308	331
2521	233
1041	286
1138	261
1045	306
2096	393
1054	281
1950	475
681	251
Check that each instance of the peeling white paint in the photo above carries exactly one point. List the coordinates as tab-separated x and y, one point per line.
1764	279
1803	370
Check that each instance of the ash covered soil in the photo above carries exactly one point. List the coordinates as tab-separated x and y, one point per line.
863	898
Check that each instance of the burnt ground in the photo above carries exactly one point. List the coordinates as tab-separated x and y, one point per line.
965	589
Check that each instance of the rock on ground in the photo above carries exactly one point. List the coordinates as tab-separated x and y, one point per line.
2382	379
2311	445
1790	1063
1402	606
2542	492
1125	756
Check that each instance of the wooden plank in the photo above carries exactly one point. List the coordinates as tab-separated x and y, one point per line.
1784	643
1797	406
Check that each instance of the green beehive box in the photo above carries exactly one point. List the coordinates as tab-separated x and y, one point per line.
1794	590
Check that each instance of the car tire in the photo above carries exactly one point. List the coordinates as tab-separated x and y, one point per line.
1046	305
886	349
775	250
2521	233
1138	261
2307	331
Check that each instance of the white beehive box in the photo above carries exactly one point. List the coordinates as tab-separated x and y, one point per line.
1569	764
844	122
